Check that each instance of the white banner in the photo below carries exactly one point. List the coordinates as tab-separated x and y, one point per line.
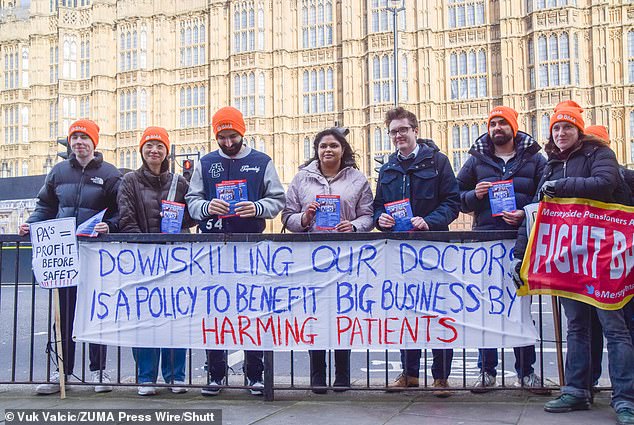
301	295
55	261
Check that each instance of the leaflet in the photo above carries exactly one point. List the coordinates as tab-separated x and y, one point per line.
232	191
87	228
502	197
329	212
401	211
172	219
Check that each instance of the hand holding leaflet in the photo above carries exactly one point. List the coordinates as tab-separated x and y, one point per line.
172	216
502	197
401	211
87	228
328	215
232	192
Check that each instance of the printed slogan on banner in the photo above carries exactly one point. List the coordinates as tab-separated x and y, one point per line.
581	249
301	295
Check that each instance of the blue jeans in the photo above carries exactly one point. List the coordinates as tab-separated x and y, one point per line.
578	358
524	360
172	364
440	368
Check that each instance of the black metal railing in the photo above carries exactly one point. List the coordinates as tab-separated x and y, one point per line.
28	356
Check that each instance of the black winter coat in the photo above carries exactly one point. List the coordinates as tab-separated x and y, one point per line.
526	170
591	171
429	183
140	199
72	191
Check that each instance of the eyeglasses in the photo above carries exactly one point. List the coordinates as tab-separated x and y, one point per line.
401	130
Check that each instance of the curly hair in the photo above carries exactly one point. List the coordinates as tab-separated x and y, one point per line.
400	113
348	159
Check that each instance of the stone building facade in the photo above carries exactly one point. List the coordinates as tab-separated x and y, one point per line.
295	67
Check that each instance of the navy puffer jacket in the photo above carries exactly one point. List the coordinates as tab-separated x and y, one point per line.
591	171
429	183
525	170
72	191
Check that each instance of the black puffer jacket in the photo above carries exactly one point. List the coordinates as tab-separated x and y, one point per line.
140	199
526	170
591	171
72	191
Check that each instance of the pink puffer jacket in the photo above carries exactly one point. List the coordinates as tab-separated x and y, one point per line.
350	184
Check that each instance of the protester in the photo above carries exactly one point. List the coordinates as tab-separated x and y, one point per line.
141	208
331	171
502	154
627	176
80	187
417	171
583	166
261	196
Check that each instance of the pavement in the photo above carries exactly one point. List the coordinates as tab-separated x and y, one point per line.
305	408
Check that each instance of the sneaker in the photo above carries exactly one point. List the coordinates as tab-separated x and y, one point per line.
212	389
402	382
147	390
484	383
567	403
101	379
51	387
258	387
625	416
534	384
443	388
179	387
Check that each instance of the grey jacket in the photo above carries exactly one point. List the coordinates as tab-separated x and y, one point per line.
350	184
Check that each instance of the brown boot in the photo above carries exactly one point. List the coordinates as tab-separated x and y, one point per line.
402	382
443	388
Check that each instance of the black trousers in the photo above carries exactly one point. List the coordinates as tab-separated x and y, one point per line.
96	352
318	367
217	365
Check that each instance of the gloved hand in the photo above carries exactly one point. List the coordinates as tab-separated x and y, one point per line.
516	265
548	189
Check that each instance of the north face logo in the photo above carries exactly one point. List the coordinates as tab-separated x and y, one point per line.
97	180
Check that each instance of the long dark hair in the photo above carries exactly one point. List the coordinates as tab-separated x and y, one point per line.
348	159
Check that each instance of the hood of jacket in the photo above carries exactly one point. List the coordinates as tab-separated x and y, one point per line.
312	170
524	143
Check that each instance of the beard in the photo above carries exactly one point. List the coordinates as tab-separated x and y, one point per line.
501	139
231	150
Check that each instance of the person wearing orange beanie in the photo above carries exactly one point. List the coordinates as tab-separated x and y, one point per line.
502	154
81	187
228	118
155	133
234	189
584	167
568	114
142	205
87	127
509	115
598	131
